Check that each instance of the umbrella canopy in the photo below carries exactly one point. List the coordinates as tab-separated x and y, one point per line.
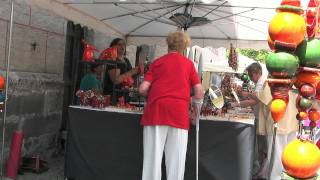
210	19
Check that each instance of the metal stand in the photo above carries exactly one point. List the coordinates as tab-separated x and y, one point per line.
6	92
198	104
197	149
274	135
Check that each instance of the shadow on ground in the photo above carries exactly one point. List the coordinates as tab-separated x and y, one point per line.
56	171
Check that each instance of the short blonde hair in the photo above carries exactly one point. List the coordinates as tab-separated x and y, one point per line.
178	41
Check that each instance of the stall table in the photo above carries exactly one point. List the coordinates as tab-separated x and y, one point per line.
107	144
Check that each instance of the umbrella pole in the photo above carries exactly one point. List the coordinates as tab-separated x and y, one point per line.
6	89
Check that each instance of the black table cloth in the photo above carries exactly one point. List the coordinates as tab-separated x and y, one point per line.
105	145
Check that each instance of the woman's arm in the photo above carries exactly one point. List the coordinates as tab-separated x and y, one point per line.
245	103
198	92
116	78
197	100
144	88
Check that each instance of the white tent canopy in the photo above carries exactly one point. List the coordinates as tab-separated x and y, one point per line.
215	60
223	66
232	19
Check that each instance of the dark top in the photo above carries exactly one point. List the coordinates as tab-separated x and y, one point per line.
108	85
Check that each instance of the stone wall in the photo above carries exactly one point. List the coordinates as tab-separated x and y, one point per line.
35	82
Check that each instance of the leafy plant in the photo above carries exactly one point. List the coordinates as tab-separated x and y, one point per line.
258	55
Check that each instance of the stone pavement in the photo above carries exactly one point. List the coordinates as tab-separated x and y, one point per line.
56	171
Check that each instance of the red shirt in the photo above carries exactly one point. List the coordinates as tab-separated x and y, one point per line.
171	76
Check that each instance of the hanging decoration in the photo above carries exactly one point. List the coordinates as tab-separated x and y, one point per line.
88	52
233	58
296	61
109	54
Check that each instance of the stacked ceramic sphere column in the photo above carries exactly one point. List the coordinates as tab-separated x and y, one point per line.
295	60
286	31
308	78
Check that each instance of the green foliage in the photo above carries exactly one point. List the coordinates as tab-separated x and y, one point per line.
258	55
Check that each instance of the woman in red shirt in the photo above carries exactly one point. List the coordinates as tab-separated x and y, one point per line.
168	85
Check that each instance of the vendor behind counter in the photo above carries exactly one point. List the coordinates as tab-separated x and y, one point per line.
117	75
91	81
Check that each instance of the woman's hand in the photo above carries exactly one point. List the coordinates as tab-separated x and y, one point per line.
138	70
193	117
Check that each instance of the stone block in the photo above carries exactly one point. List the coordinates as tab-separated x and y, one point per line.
39	145
11	126
47	20
21	12
40	124
161	41
23	82
24	56
29	103
3	36
55	54
53	100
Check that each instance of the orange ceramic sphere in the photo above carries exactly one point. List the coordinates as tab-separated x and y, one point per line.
314	115
287	28
278	109
306	77
270	43
301	159
302	115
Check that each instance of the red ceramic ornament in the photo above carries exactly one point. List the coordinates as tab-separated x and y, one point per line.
318	91
306	77
307	90
311	18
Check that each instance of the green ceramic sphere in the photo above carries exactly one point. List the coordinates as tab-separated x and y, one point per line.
305	103
282	65
309	53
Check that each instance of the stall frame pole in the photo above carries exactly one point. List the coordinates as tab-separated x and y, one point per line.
6	89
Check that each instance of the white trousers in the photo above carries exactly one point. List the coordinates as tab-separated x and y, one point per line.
276	167
173	141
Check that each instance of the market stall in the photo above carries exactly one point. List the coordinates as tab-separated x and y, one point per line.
107	144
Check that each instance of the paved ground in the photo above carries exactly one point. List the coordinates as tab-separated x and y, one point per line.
55	172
